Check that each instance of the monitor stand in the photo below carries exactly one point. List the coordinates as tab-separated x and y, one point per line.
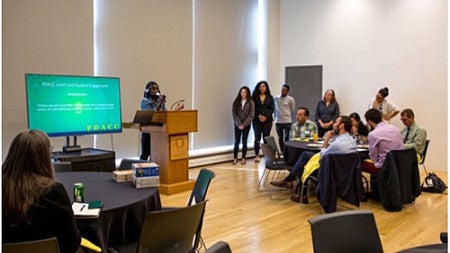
71	148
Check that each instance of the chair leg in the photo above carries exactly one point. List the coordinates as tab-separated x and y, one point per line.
262	180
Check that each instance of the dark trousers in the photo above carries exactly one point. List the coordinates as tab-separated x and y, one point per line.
145	146
258	129
298	168
283	130
237	139
321	131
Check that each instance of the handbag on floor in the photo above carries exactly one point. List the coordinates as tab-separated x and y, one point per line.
433	184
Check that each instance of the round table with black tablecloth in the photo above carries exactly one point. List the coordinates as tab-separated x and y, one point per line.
124	207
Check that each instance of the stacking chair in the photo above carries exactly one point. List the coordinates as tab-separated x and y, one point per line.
201	186
339	176
49	245
424	154
347	231
219	247
270	140
398	179
198	195
168	231
272	163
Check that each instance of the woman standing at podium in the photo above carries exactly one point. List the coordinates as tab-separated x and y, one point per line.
152	100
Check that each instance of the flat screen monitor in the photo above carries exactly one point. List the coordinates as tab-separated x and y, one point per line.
69	105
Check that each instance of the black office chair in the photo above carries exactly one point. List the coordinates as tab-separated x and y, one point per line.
347	231
219	247
270	140
201	186
49	245
272	163
168	231
424	155
398	179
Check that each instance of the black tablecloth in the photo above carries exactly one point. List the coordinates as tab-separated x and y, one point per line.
123	211
293	149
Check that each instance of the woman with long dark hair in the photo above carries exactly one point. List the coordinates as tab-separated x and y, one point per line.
243	111
264	107
34	205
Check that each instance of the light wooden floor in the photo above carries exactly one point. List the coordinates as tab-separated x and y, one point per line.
250	222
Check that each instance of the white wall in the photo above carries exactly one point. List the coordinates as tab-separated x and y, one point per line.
53	37
366	45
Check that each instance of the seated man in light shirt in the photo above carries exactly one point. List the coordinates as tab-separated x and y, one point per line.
303	128
382	139
336	141
414	136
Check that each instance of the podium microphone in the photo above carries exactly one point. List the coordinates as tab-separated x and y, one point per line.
176	103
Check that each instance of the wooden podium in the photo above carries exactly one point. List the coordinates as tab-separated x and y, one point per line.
169	148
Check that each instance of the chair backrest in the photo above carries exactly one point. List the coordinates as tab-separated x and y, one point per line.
270	140
269	155
339	176
62	166
127	163
201	186
49	245
219	247
399	179
424	154
172	230
346	231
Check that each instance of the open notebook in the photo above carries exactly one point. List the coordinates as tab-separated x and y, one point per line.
82	210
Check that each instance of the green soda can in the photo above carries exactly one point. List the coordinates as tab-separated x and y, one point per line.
78	192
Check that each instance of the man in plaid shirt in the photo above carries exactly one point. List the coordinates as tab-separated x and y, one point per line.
303	128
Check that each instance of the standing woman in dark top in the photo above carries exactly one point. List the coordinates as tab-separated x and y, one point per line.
327	112
243	111
34	205
264	107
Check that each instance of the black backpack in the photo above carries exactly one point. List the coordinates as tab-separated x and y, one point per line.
433	184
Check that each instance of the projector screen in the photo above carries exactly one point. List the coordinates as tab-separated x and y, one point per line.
64	105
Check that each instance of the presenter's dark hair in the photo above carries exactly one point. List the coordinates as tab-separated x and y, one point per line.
373	115
287	86
27	174
384	92
148	87
257	92
347	123
304	108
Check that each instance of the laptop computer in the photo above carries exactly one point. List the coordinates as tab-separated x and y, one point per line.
143	117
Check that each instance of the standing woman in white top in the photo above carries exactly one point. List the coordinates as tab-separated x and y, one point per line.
386	107
243	111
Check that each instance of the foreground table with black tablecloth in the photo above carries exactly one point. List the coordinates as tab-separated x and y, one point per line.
124	207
